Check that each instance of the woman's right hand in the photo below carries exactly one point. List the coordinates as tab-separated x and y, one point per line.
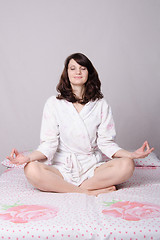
18	158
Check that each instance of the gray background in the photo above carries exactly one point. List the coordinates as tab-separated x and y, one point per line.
120	37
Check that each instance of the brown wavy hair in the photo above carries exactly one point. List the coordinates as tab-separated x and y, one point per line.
92	86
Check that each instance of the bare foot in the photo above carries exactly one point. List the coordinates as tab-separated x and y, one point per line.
103	190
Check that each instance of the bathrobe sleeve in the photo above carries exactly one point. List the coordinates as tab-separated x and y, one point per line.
49	136
106	132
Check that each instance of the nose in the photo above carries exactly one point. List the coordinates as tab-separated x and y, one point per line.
78	71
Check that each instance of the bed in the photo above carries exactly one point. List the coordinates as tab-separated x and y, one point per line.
130	213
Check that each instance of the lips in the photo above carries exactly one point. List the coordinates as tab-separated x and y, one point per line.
78	77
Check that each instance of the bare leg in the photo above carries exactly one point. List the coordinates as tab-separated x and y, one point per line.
110	174
49	179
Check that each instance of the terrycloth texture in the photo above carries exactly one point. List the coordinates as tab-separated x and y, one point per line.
71	140
132	212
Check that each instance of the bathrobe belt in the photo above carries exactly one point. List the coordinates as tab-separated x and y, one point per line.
73	164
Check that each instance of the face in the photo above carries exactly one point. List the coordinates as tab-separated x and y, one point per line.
78	75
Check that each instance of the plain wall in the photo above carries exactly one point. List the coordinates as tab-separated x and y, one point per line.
120	37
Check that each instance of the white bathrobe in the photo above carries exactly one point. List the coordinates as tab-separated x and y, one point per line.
74	142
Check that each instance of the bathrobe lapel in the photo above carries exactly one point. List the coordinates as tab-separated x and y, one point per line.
74	133
79	118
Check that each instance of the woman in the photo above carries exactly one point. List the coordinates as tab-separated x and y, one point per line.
77	127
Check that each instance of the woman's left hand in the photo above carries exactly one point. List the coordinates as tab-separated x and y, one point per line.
143	151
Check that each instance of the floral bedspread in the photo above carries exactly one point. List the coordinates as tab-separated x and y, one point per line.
132	212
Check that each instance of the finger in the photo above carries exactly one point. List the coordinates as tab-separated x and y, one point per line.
18	163
151	150
15	162
148	152
147	146
16	152
10	158
12	153
144	146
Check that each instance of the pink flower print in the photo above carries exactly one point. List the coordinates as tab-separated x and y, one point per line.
46	115
132	211
49	133
27	213
110	126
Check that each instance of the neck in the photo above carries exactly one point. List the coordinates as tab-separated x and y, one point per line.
78	91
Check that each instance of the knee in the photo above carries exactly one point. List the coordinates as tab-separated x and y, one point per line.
31	170
127	167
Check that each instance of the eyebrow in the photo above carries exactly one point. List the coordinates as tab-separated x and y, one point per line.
71	65
75	65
